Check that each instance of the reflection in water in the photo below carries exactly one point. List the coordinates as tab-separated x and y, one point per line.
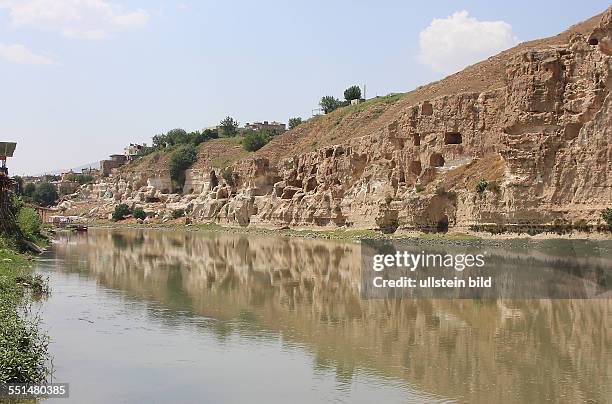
307	293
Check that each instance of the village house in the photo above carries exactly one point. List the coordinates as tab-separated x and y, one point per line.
273	126
133	151
116	161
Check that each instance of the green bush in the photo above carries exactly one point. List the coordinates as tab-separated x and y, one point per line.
29	223
352	93
121	211
419	188
481	186
255	140
440	191
139	213
293	122
29	189
228	127
228	175
45	194
451	195
182	158
329	103
176	213
606	215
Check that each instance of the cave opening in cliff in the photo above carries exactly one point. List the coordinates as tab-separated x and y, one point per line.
436	160
426	108
214	181
442	225
415	167
593	41
453	138
416	139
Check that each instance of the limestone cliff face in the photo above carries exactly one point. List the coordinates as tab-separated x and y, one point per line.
541	140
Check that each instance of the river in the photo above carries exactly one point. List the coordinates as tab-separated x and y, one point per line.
139	315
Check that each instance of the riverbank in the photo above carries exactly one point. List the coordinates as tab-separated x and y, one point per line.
336	234
24	356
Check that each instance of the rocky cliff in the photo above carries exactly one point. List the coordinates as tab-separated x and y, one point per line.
533	123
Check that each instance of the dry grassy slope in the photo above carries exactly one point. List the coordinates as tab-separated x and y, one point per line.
217	153
364	119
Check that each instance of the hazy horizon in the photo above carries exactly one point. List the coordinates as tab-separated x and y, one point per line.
86	78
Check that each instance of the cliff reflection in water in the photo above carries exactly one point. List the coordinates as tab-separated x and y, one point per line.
307	292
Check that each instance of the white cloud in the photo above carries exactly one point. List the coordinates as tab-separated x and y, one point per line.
86	19
449	44
16	53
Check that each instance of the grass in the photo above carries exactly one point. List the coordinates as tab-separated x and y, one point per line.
339	234
449	237
23	348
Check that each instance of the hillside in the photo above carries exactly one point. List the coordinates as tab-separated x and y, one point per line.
360	120
517	142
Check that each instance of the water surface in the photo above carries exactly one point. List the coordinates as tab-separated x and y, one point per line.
176	316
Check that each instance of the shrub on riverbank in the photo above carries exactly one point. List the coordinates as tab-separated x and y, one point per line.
23	348
121	211
606	215
139	213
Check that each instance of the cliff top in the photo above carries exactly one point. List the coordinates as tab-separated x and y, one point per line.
360	120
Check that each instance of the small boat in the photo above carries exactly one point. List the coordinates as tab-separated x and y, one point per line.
78	227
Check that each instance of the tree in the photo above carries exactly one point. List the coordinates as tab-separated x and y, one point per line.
160	141
45	194
182	158
177	136
293	122
228	127
255	140
29	189
329	103
352	93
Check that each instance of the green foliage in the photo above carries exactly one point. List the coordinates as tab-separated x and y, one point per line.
388	199
29	224
23	348
329	103
121	211
481	186
451	195
606	215
255	140
228	127
139	213
80	178
29	189
178	137
177	213
294	122
352	93
440	191
182	158
228	175
419	188
45	194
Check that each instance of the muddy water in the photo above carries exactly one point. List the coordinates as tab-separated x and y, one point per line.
172	316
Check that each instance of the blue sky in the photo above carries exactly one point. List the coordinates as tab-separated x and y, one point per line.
82	78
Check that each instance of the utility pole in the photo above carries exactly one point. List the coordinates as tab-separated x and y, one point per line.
364	92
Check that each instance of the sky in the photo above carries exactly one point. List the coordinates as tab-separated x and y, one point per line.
81	79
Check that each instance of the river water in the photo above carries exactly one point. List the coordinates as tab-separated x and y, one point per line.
141	315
